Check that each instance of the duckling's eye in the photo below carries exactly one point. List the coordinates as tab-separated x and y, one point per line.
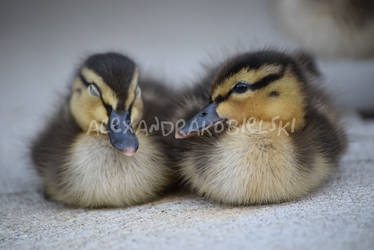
240	87
93	90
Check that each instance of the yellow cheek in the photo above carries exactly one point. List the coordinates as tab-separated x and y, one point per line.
86	110
239	107
99	113
233	110
288	110
264	108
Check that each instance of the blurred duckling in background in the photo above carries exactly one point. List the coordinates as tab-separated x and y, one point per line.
266	134
333	28
91	153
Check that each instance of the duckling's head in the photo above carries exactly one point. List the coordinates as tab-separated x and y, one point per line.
106	92
267	86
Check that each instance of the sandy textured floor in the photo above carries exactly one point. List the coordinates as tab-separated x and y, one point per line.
338	216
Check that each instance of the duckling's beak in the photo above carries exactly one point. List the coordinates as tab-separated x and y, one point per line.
202	120
121	134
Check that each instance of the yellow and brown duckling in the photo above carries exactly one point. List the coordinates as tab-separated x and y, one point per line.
91	153
267	133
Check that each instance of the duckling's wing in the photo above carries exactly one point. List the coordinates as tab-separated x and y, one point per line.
50	149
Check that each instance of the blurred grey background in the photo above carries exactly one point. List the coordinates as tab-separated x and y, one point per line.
41	42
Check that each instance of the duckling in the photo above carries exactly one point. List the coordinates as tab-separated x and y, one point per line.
92	153
334	28
267	133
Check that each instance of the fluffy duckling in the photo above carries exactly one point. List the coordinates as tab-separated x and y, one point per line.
266	134
334	28
91	154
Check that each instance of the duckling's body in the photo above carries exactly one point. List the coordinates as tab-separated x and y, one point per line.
260	160
84	168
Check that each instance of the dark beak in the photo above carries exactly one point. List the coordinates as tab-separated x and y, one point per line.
204	119
121	134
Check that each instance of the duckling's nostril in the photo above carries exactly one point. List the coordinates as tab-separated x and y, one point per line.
204	114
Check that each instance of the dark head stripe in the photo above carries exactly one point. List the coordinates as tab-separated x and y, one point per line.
266	81
83	80
255	86
86	83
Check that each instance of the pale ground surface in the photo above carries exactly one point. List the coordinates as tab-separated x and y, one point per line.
41	42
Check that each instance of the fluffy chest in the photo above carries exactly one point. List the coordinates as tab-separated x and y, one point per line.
243	166
96	154
250	151
99	174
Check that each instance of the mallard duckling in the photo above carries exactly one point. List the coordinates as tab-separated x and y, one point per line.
267	134
334	28
91	153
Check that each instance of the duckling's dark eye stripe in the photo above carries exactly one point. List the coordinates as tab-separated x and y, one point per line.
87	84
255	86
264	81
220	98
267	80
108	108
83	80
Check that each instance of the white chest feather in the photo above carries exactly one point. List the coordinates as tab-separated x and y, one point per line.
99	175
248	168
